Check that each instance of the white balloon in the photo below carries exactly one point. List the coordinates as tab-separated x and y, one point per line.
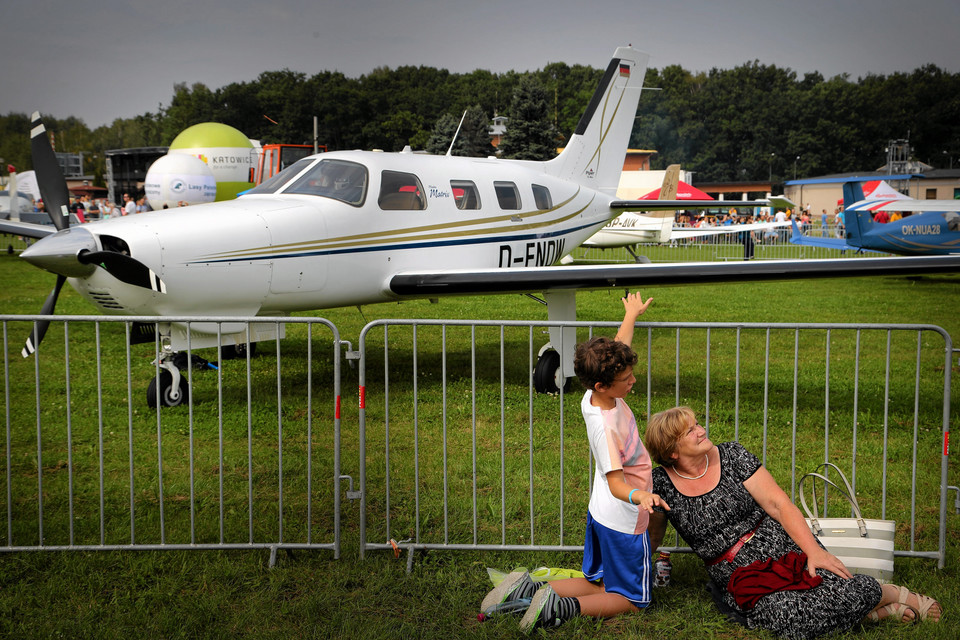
179	178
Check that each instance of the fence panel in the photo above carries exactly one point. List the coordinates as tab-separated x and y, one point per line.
11	244
250	459
718	248
459	452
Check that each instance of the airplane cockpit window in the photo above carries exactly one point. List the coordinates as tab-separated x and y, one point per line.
337	179
507	195
400	192
465	194
272	184
542	198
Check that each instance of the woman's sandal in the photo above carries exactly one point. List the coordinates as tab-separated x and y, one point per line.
924	603
894	611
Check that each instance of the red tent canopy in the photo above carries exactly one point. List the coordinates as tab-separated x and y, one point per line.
88	190
684	192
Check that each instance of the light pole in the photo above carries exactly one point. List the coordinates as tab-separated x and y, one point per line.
795	167
770	167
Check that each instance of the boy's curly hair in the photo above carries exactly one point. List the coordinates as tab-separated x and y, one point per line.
602	360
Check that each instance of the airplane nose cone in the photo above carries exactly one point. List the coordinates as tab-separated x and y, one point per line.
58	253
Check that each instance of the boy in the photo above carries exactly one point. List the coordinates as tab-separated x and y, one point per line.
616	554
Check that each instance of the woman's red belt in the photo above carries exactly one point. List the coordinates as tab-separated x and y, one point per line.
731	553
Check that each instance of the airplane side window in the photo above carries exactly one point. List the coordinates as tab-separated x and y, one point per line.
542	198
465	194
337	179
400	192
507	195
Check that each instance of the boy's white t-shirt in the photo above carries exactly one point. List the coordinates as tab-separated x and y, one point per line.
615	444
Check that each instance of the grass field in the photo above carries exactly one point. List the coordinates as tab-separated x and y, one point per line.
173	594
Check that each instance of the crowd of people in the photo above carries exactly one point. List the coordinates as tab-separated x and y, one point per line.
828	224
766	568
88	208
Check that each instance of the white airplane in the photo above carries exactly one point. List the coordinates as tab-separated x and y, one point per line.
629	228
355	227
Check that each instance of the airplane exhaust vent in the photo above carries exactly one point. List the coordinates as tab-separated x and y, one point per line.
106	301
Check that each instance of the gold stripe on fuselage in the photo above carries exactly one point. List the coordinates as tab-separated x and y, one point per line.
449	230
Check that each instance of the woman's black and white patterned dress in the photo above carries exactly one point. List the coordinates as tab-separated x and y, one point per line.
713	522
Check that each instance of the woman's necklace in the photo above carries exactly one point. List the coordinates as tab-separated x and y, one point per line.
707	466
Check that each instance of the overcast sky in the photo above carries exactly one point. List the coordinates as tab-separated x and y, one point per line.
105	59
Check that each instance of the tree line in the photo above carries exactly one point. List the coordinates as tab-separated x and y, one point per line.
753	122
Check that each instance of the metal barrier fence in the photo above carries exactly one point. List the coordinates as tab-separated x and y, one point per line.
11	244
711	249
250	459
455	449
459	452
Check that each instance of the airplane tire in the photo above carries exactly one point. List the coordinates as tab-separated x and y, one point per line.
166	391
238	351
545	374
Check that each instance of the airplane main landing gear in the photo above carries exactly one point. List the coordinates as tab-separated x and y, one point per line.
546	374
238	351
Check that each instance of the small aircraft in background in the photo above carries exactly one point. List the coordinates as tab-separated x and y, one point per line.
349	228
658	227
933	228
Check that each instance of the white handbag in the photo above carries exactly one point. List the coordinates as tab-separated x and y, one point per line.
863	545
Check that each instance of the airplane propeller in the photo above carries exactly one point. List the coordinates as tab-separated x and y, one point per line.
70	252
53	187
40	327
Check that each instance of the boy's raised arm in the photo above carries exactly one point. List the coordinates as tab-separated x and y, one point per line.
633	307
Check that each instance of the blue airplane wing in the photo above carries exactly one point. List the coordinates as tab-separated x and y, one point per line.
829	243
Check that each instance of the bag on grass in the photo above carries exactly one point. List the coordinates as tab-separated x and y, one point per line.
863	545
538	575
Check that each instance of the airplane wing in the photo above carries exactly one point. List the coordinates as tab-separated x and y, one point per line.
698	232
439	282
674	205
827	243
26	229
920	205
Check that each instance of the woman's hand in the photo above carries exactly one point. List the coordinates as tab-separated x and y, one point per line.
823	559
768	494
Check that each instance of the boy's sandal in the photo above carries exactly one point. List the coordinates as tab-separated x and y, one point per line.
924	603
894	611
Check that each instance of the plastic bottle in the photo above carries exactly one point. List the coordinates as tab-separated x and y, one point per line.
663	567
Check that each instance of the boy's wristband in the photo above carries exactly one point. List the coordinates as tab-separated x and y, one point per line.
630	496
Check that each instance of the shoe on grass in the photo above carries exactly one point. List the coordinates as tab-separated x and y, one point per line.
542	611
515	586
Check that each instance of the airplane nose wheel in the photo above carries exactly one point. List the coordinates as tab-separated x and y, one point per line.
172	394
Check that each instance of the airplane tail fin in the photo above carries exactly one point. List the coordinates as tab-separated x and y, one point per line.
797	237
668	191
671	182
595	152
852	193
857	222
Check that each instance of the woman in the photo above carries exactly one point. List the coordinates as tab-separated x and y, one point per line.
732	513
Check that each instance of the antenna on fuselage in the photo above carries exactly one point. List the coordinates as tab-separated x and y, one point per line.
450	150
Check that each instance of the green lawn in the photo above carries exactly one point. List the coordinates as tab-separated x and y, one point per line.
171	594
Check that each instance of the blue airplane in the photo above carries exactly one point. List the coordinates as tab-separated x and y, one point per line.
933	229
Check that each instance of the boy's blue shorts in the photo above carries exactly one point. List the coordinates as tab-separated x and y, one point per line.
621	560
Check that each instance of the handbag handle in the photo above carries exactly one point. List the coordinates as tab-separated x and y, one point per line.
846	491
